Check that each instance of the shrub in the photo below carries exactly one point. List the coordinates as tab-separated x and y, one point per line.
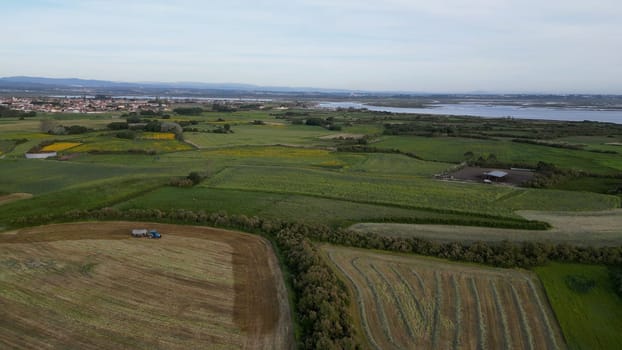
126	134
183	182
188	110
195	178
579	283
118	125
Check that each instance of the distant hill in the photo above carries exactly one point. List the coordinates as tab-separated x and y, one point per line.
39	83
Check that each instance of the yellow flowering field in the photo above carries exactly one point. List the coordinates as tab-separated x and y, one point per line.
60	146
158	136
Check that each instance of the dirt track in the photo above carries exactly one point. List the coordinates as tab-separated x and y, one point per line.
91	286
14	197
602	228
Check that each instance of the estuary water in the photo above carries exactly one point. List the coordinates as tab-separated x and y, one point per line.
494	111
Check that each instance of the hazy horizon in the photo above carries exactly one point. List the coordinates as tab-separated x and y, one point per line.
396	45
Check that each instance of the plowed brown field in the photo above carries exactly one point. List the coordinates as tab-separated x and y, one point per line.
92	286
407	302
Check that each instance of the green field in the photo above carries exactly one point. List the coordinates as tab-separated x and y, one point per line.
261	135
95	195
591	320
413	192
452	149
288	207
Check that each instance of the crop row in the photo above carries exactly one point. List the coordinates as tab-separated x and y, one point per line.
523	318
435	317
359	302
378	302
507	338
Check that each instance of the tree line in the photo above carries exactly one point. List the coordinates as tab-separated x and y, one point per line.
6	112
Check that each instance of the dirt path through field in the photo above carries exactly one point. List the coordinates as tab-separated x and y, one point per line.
197	287
14	197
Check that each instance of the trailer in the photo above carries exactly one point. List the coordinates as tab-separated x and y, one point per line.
139	232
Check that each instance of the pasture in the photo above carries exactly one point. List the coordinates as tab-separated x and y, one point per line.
403	301
590	319
89	285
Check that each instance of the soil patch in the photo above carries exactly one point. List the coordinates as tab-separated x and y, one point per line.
342	136
14	197
90	285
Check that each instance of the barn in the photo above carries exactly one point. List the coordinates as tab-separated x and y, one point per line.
495	175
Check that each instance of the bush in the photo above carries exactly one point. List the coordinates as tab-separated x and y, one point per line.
118	125
153	126
616	278
195	177
126	134
76	129
133	119
579	283
183	182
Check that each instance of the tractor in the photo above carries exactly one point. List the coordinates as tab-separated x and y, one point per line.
154	234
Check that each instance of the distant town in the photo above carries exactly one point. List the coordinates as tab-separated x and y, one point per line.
84	104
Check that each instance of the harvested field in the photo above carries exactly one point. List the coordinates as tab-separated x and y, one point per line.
514	177
407	302
14	197
600	228
583	222
91	286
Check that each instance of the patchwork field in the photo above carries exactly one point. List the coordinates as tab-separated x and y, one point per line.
91	286
406	302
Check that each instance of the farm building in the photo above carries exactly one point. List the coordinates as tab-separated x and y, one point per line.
41	155
139	232
495	175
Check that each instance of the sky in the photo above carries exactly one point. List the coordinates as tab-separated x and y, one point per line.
535	46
